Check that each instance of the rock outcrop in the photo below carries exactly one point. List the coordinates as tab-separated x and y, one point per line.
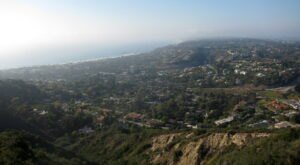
180	149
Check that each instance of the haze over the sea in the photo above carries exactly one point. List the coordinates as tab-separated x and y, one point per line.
70	54
35	32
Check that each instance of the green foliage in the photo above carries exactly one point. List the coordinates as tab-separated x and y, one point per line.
18	148
17	91
281	148
15	150
116	145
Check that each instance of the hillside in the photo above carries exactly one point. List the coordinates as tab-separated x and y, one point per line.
226	148
229	101
23	148
185	55
15	93
189	147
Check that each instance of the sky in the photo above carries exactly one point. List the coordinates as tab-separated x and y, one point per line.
32	30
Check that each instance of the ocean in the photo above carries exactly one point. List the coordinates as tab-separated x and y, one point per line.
62	55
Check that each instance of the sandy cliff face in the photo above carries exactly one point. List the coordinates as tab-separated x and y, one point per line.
161	142
180	149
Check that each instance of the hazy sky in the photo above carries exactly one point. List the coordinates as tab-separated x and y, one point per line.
27	25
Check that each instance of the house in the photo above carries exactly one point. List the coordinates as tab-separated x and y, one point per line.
294	104
134	116
262	123
286	124
277	105
291	113
243	72
260	75
236	71
192	126
224	121
154	123
43	112
86	130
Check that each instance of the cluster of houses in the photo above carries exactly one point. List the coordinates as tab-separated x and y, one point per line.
280	104
141	120
239	69
286	107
